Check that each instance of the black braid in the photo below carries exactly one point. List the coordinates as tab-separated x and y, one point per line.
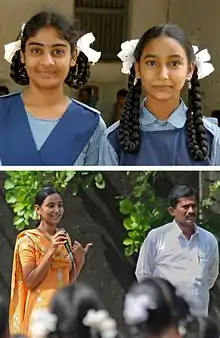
129	129
197	135
79	74
18	72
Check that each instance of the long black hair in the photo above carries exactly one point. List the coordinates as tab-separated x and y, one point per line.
78	75
129	129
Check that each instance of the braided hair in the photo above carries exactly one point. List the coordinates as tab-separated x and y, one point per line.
129	129
78	75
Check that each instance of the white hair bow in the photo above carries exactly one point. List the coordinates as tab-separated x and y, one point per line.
83	45
127	55
42	322
100	321
205	68
13	47
136	308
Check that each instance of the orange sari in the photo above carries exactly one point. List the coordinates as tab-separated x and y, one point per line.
31	246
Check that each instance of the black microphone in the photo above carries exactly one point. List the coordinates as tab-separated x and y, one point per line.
68	249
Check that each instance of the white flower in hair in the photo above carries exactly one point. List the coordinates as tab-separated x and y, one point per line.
127	55
205	68
83	45
136	308
13	47
42	322
100	321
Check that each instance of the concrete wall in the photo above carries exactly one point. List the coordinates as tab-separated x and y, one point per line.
200	18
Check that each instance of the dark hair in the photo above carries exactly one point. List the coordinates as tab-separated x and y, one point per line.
4	90
129	129
167	308
179	191
78	75
200	327
71	305
122	92
4	323
215	113
43	194
86	89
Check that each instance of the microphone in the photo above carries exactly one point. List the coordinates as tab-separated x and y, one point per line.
68	249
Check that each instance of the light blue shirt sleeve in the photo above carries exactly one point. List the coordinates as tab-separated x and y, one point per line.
215	131
146	259
107	154
214	264
90	153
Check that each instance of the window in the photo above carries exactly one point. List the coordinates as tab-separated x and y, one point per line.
108	20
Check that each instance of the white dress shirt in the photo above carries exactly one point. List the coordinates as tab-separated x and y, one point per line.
191	265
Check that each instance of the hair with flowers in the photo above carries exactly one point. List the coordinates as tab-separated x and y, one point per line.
79	74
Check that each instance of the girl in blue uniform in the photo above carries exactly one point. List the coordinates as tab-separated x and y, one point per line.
42	126
162	130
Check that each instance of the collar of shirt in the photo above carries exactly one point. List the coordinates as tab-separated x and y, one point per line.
178	232
177	119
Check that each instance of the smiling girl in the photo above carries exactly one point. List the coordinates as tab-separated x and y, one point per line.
162	130
42	126
41	263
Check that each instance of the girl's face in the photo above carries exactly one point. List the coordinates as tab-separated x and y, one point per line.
51	210
48	58
163	68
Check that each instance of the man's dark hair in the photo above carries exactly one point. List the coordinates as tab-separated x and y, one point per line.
179	191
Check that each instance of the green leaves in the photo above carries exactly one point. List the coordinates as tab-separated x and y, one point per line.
22	186
142	209
125	206
99	181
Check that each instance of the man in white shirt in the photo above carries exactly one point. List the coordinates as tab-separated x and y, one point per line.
182	252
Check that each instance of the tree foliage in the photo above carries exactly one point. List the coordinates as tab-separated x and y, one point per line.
142	208
22	186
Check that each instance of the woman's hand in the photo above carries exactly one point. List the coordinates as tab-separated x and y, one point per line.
59	238
79	252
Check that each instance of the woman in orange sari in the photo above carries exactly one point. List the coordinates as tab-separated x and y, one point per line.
41	262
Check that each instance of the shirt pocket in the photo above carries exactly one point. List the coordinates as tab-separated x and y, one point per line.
202	268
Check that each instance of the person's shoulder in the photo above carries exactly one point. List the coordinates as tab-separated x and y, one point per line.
6	101
112	129
10	96
160	230
85	107
212	127
207	234
24	237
